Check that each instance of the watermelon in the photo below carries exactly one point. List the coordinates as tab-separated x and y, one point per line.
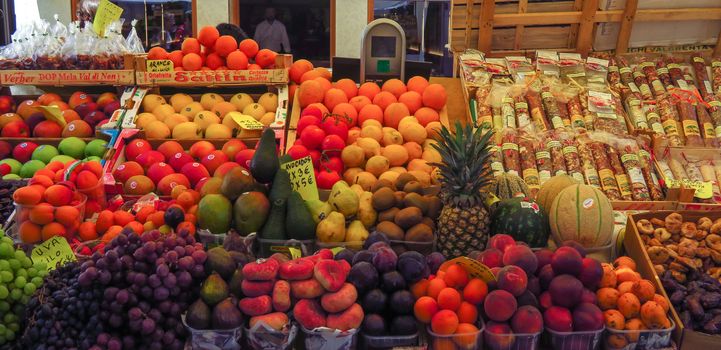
522	219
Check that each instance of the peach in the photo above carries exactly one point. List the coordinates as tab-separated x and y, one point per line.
281	296
338	301
607	298
424	309
77	128
15	129
527	319
634	324
42	214
139	185
501	242
276	320
587	317
614	319
513	279
306	289
456	276
58	195
491	257
86	179
591	273
565	290
567	260
47	128
558	319
444	322
653	315
660	300
625	261
544	300
296	269
467	336
27	195
256	288
435	286
257	306
261	270
624	274
629	305
166	184
309	314
500	305
195	172
331	273
644	290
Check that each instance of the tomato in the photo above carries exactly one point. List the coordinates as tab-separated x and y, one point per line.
298	152
332	145
306	121
332	163
327	178
312	137
334	125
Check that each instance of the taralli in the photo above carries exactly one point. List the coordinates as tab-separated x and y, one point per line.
715	228
673	222
661	234
658	222
658	255
713	241
688	229
645	227
704	223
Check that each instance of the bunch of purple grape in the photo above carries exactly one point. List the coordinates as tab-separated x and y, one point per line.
148	281
62	314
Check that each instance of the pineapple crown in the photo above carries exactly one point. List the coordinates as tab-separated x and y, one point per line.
464	170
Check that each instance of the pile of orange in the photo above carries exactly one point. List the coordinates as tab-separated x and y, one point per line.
211	51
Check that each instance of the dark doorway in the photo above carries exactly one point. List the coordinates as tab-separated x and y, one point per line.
307	23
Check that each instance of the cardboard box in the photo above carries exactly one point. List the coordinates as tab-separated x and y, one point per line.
685	338
659	33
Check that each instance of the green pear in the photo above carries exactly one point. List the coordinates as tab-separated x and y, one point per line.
332	228
318	209
344	200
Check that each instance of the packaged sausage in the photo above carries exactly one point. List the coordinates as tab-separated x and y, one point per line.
551	107
663	74
508	112
709	175
528	165
547	63
665	170
509	148
654	187
575	110
614	75
678	169
707	92
606	119
640	79
588	116
484	119
717	169
496	161
497	118
630	160
587	163
653	119
689	124
669	120
622	179
649	70
716	76
706	126
572	67
558	163
627	77
605	171
635	113
571	157
535	105
543	161
520	107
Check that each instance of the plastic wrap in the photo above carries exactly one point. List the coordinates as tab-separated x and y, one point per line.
709	175
543	161
575	111
598	70
572	68
665	170
587	163
538	116
496	161
640	79
716	76
678	170
629	157
483	109
528	165
635	113
706	126
558	162
707	92
654	187
691	130
552	111
133	42
669	119
520	107
508	112
649	70
653	119
606	119
626	74
663	74
606	172
547	63
571	157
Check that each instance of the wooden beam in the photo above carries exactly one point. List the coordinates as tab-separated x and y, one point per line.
717	48
485	31
585	29
234	8
370	10
332	31
469	14
522	8
193	17
624	35
643	15
573	33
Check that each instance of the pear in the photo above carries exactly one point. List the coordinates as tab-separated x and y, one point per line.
343	200
366	214
356	234
318	209
358	189
332	228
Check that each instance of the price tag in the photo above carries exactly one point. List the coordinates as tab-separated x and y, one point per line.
246	122
295	252
53	113
302	177
107	13
704	189
474	268
53	252
158	66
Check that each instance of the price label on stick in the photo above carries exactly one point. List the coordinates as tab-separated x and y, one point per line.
53	252
107	13
53	113
302	177
159	66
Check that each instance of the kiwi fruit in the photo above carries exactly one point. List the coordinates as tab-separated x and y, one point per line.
403	179
388	215
413	186
408	217
380	184
391	230
429	222
400	195
419	233
383	199
415	200
434	206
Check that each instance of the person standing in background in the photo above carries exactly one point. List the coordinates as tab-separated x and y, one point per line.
271	34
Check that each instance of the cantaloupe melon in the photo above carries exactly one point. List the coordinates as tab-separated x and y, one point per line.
551	188
508	185
583	214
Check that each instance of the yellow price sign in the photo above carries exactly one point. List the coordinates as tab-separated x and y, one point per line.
246	122
302	177
54	252
159	66
704	189
107	13
295	253
53	113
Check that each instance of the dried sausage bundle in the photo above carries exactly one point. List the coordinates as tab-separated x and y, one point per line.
707	92
654	187
521	108
606	175
543	161
508	113
572	159
669	119
630	160
653	119
635	113
484	112
496	161
552	110
627	77
575	110
589	167
528	165
509	147
649	70
536	107
663	74
716	76
689	124
622	179
640	79
558	163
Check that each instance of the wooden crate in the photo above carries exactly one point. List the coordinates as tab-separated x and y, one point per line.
276	76
71	77
503	27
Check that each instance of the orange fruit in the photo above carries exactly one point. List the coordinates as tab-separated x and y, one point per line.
208	35
249	47
225	45
467	313
177	58
444	322
186	200
237	60
157	53
348	86
192	61
394	86
435	286
112	232
456	276
122	218
424	309
369	90
449	299
30	233
104	221
265	58
297	69
384	99
417	84
190	45
28	195
135	226
434	96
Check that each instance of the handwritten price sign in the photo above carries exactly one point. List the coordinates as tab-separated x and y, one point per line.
54	252
156	66
302	177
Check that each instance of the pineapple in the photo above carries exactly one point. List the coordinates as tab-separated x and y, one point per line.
464	222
